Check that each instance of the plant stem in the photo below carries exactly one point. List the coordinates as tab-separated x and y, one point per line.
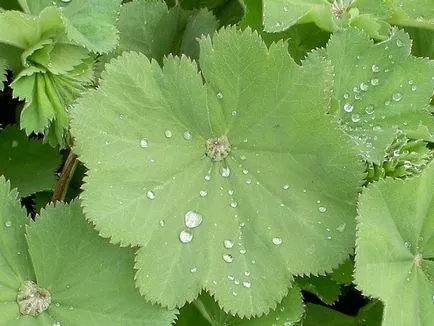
65	177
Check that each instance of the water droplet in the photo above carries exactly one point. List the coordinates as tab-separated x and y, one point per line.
355	117
387	103
375	82
341	228
57	323
247	273
413	88
203	193
185	237
407	244
162	223
243	157
364	87
375	68
348	107
168	133
225	172
243	251
245	171
369	109
234	204
231	278
144	143
399	43
329	238
187	135
247	284
230	192
236	282
234	293
228	244
151	195
219	95
8	224
277	241
193	270
234	113
285	186
397	96
322	209
228	258
207	177
66	1
121	116
192	219
346	96
285	9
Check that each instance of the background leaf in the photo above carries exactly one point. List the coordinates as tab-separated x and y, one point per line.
28	164
395	242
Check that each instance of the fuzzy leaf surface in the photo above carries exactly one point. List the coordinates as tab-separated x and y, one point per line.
379	90
287	200
28	164
151	28
395	241
90	280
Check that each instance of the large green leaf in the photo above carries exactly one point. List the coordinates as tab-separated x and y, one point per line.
277	205
28	164
90	282
379	90
395	248
151	28
413	13
205	311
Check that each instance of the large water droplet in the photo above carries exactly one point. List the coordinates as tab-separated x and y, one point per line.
151	195
192	219
375	68
8	224
228	244
225	172
228	258
397	96
187	135
185	237
144	143
348	107
277	241
364	87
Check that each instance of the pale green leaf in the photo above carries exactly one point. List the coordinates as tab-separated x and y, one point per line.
288	201
395	248
151	28
28	164
379	90
413	13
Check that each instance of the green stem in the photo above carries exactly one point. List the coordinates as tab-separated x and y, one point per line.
65	177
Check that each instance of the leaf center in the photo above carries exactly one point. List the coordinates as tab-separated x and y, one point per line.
32	299
218	148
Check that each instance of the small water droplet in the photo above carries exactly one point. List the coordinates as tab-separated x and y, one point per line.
355	117
57	323
399	43
236	282
203	193
207	177
8	224
364	87
193	270
407	244
66	1
247	284
397	96
285	186
348	107
243	251
369	109
414	88
187	135
162	223
228	244
375	82
185	237
285	9
387	103
151	195
247	273
277	241
234	204
230	192
375	68
234	293
219	95
228	258
322	209
168	134
192	219
144	143
225	172
341	228
329	238
234	113
346	96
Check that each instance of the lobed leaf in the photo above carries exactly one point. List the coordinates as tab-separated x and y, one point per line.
379	90
395	242
28	164
269	209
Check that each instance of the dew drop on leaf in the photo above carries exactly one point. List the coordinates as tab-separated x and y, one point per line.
341	228
399	43
57	323
234	204
187	135
193	270
369	109
397	96
247	284
228	244
168	134
162	223
285	186
348	107
245	171
207	177
225	172
234	293
364	87
234	113
192	219
66	1
375	82
322	209
243	251
151	195
8	224
203	193
228	258
355	117
277	241
144	143
375	68
185	237
219	95
413	88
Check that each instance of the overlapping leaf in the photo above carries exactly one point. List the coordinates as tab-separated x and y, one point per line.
90	281
28	164
380	90
151	28
277	205
395	242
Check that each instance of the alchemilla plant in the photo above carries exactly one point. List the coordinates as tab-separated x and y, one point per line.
217	162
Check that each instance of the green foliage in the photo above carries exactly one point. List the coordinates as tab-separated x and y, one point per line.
86	277
274	172
395	243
